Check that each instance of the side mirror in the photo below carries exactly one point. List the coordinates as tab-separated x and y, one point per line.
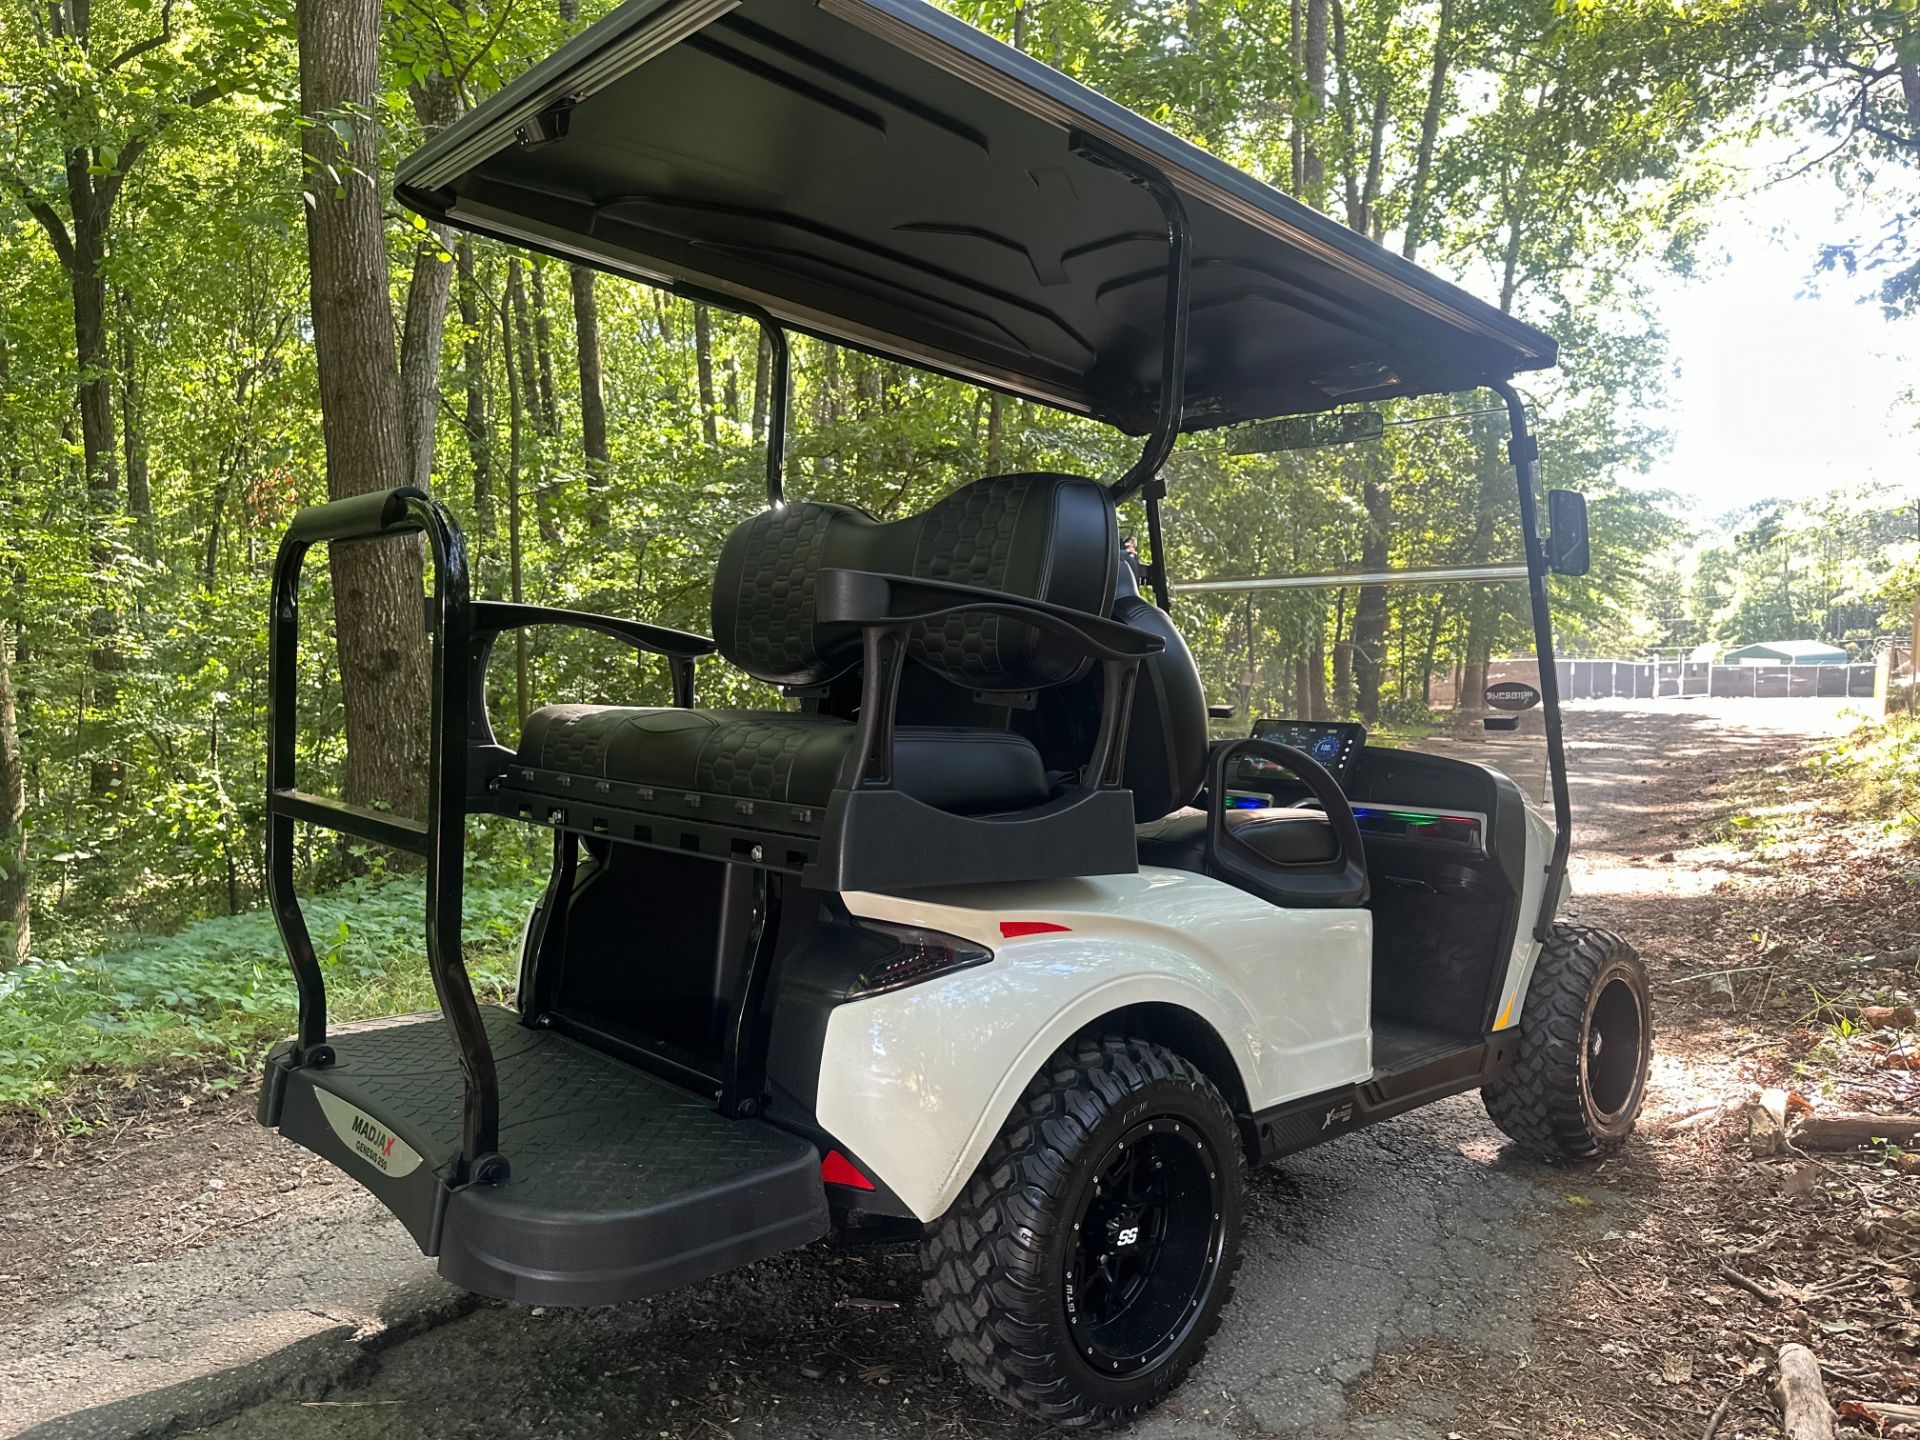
1567	552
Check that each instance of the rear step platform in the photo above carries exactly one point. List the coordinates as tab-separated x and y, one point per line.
621	1184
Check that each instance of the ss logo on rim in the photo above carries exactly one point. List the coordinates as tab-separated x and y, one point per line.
1127	1236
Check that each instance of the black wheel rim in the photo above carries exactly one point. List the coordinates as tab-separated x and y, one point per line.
1616	1036
1148	1235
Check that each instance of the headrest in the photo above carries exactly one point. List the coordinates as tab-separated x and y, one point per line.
1043	536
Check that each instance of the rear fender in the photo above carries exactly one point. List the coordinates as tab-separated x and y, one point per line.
918	1081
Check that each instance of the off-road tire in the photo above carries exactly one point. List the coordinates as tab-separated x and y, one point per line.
994	1265
1547	1102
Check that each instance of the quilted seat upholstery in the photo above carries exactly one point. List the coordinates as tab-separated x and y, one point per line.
795	759
1041	536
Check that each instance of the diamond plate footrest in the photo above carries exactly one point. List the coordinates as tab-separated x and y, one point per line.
622	1185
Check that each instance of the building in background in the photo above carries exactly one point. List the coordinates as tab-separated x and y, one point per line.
1786	652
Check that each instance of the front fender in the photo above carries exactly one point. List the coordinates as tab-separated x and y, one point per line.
918	1081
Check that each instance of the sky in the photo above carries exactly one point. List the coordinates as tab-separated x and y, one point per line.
1785	384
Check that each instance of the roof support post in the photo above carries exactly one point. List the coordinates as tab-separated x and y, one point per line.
1144	474
780	383
1524	451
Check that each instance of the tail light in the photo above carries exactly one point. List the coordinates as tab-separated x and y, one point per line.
909	955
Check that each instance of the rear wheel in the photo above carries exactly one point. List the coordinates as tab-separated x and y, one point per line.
1586	1038
1081	1272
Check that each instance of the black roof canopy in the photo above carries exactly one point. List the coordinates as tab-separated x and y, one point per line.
878	173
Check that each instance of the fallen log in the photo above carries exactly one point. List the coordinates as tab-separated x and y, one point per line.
1850	1132
1804	1411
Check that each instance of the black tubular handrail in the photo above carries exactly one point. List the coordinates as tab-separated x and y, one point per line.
680	648
439	838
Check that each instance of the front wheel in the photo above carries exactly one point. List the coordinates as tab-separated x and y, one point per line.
1586	1039
1080	1274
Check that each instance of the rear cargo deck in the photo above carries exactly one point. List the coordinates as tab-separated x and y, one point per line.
621	1184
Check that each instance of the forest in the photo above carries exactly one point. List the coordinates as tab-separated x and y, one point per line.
212	312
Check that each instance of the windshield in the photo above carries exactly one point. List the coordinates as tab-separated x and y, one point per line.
1379	581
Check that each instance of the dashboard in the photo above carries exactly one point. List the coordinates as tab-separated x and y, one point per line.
1334	744
1337	746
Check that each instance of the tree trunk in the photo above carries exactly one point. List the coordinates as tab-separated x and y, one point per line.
549	411
1342	658
1426	663
1314	170
478	421
377	588
703	364
762	389
133	437
88	285
1370	223
593	405
523	389
1370	615
1317	677
436	102
1418	190
16	919
1349	135
996	435
1297	137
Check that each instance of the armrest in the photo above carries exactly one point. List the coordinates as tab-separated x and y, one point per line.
884	606
490	617
870	600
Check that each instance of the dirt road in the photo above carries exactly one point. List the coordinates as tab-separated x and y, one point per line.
213	1277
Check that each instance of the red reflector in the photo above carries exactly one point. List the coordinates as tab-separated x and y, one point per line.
1014	929
836	1169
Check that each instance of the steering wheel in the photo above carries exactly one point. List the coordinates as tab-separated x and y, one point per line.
1341	880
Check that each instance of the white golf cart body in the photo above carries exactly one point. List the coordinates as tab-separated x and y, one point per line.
917	1081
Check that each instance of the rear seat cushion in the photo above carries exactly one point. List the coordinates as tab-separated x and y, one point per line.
778	756
1287	837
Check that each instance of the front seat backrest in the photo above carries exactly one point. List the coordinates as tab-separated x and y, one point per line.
1041	536
1167	739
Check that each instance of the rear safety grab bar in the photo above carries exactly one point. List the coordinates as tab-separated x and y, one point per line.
439	838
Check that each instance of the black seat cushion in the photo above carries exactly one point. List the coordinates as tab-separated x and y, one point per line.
1287	837
793	758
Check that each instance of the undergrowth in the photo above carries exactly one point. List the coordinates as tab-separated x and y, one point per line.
214	995
1880	768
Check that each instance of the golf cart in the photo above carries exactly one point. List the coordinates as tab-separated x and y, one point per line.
983	934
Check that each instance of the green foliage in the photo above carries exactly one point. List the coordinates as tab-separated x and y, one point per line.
1837	568
215	994
1880	766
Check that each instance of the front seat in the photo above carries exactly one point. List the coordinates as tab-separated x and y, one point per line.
1168	749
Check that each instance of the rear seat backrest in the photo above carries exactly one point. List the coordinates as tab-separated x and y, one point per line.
1042	536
